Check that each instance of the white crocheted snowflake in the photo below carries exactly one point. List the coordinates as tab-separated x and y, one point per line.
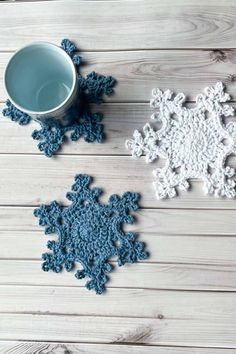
195	142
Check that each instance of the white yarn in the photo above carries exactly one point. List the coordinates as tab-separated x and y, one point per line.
194	141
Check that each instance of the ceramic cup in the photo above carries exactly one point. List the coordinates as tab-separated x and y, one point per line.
41	80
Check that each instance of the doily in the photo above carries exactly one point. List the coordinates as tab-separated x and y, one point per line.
90	233
88	125
195	142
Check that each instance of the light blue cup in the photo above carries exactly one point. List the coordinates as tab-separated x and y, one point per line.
41	80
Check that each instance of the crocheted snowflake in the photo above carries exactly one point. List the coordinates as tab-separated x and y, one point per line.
194	141
92	88
90	233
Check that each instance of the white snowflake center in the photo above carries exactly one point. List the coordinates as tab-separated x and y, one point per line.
190	144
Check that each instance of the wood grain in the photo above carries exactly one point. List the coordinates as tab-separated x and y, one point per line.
49	179
193	236
158	304
105	25
182	241
202	250
86	348
95	329
184	222
120	120
138	72
142	275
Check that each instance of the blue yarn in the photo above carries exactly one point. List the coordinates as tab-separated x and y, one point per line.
96	86
87	125
69	47
15	114
90	233
51	137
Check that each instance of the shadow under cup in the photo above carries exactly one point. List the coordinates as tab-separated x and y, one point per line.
41	81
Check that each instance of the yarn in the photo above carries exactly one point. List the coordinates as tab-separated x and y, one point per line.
88	125
15	114
90	233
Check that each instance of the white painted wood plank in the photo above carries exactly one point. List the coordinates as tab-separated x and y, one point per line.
141	275
120	24
202	250
184	222
32	180
167	331
33	0
188	238
120	121
160	304
88	348
138	72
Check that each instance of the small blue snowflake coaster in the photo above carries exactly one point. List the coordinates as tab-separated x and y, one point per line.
90	233
92	89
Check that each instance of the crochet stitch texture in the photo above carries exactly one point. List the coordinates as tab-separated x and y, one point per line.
90	233
88	125
195	142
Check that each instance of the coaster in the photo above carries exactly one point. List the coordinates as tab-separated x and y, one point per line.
195	142
90	233
88	125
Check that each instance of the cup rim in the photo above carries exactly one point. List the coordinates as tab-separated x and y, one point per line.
69	60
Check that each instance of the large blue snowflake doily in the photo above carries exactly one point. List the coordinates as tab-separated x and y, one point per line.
88	125
90	233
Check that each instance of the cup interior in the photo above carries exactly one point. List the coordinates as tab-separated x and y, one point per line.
40	78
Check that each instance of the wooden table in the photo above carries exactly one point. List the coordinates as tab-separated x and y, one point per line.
182	299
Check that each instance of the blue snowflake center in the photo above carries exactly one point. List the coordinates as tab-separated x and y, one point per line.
92	230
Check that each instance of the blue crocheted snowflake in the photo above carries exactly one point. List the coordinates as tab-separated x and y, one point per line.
90	233
88	125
